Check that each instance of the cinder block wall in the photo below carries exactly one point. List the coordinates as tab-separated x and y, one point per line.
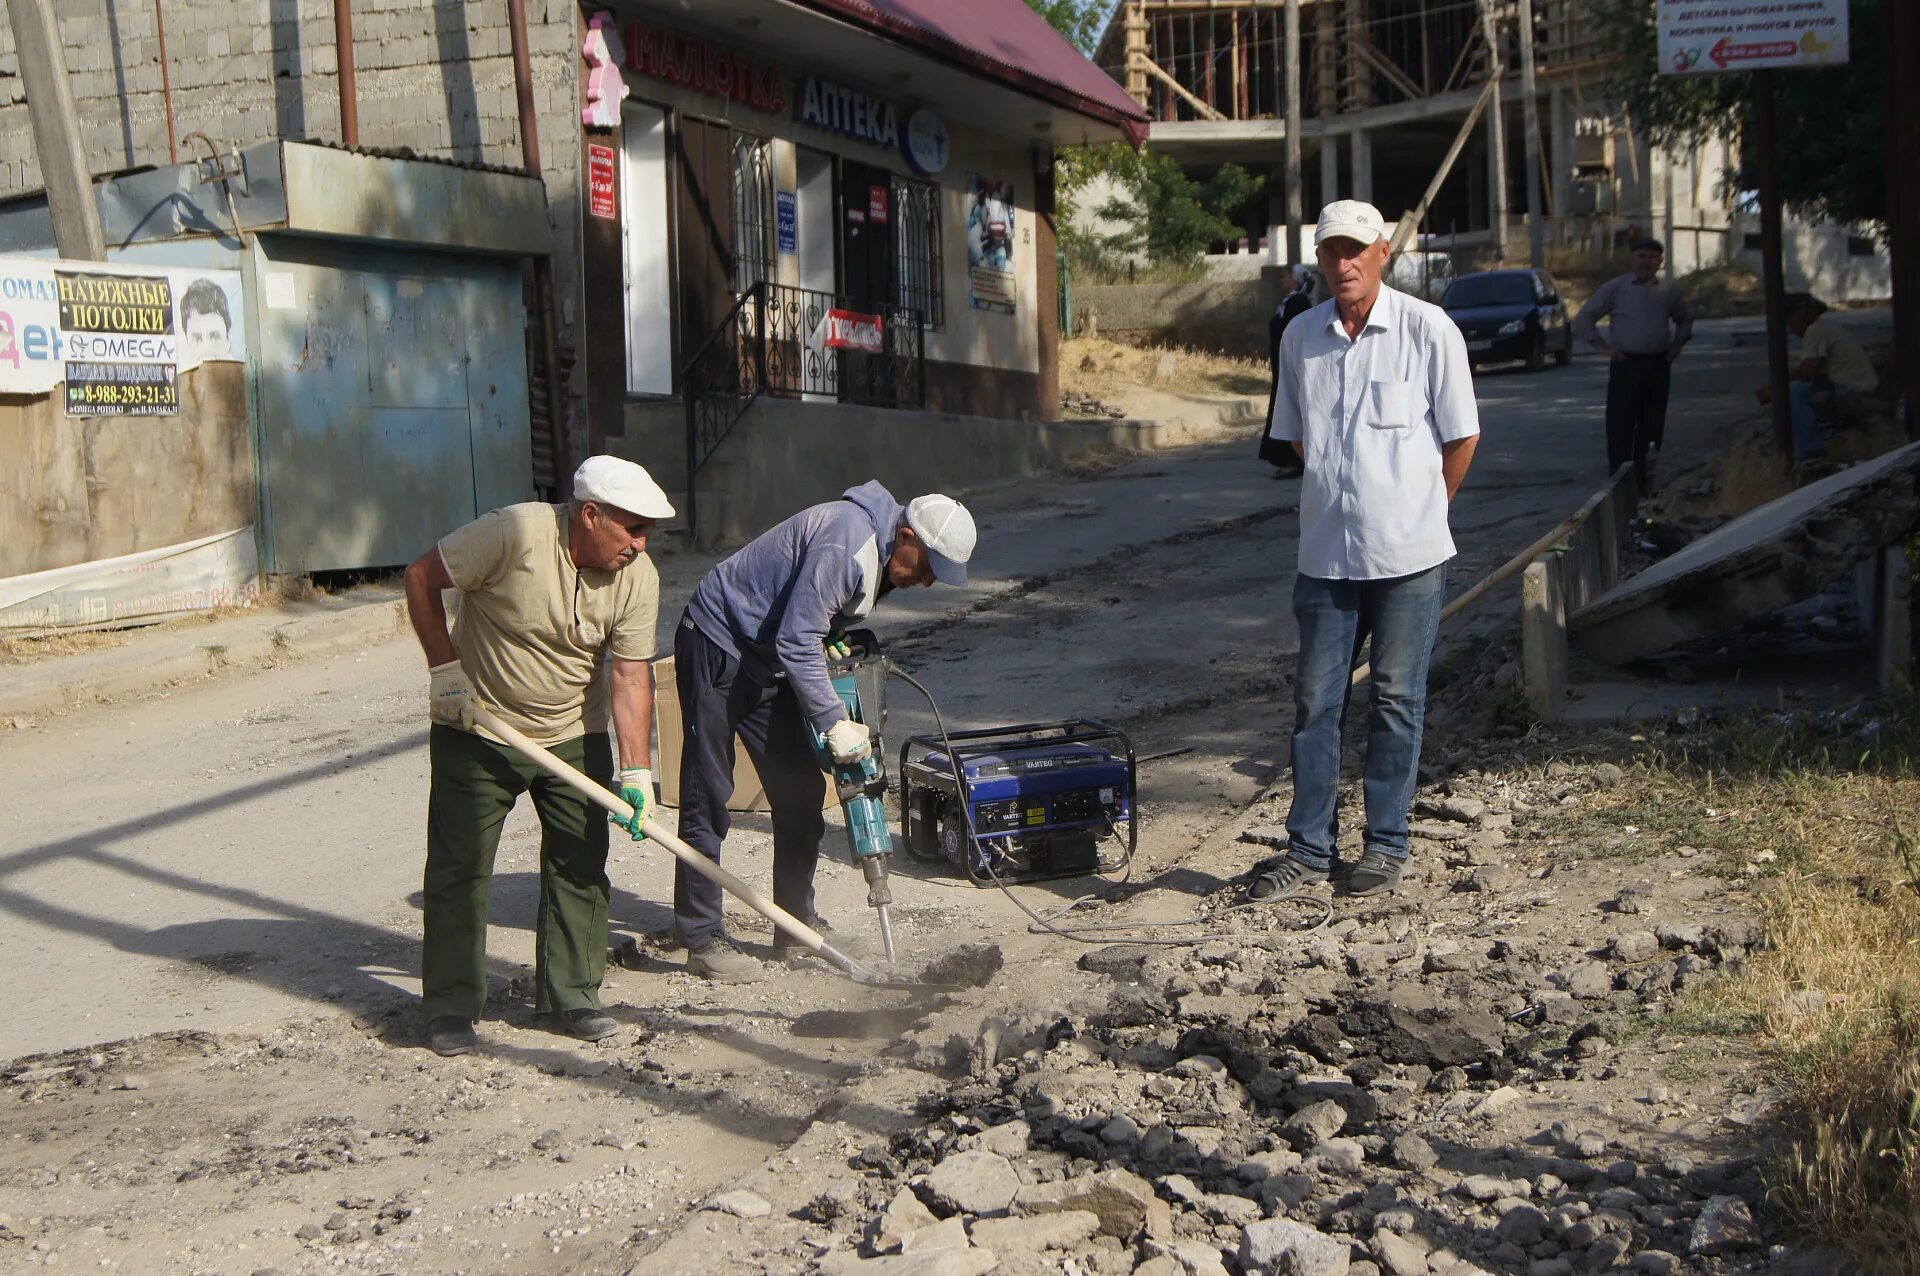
435	76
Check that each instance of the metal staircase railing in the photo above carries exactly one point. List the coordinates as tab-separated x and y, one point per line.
721	381
773	341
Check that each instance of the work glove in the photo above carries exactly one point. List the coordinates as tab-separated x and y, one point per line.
849	741
450	695
636	790
836	645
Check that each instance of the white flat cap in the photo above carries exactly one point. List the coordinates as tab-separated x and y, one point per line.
609	480
1350	219
946	529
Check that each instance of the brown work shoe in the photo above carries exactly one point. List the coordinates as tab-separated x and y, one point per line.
722	963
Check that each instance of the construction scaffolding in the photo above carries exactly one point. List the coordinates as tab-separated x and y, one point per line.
1389	95
1221	60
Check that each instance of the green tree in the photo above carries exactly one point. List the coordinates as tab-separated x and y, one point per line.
1170	217
1081	21
1831	149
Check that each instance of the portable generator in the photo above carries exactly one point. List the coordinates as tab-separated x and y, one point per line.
1021	804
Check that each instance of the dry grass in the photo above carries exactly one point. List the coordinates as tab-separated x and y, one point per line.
1105	368
1751	473
1723	291
1834	997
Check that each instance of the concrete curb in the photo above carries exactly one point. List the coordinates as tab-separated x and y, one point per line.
262	648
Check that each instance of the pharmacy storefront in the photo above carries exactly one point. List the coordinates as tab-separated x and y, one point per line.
829	201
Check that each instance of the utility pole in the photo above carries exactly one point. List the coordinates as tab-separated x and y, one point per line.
56	131
1296	214
1496	133
1902	31
1530	114
1766	146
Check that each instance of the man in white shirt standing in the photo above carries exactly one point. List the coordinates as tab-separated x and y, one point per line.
1376	396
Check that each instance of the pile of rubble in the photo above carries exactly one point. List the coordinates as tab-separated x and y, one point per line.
1353	1099
1088	405
1206	1121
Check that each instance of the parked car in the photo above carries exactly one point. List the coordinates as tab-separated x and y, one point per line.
1510	314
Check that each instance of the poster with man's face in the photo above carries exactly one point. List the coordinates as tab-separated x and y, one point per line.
990	238
206	322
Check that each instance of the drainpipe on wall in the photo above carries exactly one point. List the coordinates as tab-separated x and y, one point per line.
343	59
553	462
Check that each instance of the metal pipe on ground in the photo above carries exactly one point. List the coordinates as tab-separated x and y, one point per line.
1518	563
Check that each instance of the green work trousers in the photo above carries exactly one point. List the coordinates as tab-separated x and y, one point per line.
475	784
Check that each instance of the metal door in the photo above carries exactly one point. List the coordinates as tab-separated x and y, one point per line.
866	256
393	391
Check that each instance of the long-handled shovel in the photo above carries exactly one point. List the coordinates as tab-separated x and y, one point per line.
661	836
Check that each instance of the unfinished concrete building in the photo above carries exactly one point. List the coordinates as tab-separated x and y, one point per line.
1384	87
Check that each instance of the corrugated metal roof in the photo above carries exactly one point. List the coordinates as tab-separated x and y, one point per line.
1004	39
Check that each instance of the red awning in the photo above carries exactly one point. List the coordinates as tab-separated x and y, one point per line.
1003	39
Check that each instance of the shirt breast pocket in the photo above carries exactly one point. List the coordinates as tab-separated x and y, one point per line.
1393	405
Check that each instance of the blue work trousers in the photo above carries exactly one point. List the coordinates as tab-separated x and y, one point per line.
1336	617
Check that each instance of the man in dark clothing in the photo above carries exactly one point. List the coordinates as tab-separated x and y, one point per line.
750	659
1648	324
1298	300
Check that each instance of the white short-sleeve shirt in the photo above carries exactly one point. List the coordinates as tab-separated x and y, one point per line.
1370	414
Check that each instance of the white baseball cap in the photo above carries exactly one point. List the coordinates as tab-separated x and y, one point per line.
610	480
1350	219
946	530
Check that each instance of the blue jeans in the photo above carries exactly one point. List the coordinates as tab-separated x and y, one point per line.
1402	614
1806	431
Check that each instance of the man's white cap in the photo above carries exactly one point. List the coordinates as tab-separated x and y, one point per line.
946	530
1350	219
609	480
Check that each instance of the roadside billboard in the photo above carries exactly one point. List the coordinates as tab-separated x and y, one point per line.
1706	37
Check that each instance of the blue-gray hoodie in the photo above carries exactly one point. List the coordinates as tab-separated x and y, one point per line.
772	603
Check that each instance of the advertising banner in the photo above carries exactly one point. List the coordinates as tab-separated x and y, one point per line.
852	330
990	279
222	570
1705	37
117	337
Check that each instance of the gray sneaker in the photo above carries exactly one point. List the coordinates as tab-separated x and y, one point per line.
1377	873
1288	877
721	962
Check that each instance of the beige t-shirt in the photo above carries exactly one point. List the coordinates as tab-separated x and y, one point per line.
1840	356
531	626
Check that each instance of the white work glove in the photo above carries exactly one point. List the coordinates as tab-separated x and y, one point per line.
450	695
849	741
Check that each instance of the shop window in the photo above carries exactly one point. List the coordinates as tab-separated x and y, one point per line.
752	211
916	229
645	247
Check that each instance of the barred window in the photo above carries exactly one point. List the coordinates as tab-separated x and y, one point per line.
752	211
916	229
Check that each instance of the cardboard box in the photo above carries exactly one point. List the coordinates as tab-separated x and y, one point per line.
748	793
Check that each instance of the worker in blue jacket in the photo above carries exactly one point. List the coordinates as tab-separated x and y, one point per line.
750	660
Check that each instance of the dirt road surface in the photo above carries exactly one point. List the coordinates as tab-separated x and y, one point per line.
209	908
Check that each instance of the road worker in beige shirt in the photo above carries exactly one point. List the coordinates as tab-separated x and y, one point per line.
548	595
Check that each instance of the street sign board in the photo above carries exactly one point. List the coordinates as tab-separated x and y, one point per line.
1706	37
